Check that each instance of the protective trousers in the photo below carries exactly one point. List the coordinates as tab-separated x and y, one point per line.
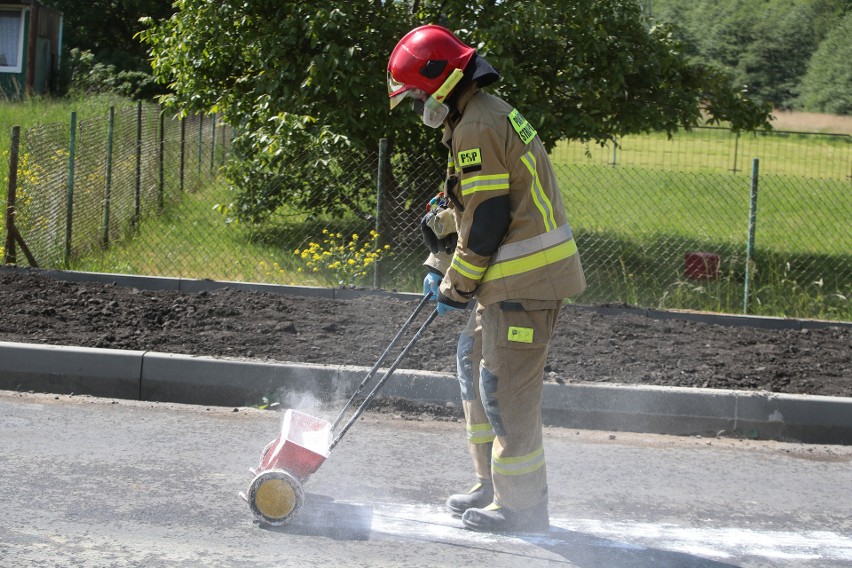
501	355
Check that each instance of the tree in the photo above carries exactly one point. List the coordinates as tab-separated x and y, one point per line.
827	86
295	74
773	64
766	44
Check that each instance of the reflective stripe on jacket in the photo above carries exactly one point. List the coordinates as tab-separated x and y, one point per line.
514	238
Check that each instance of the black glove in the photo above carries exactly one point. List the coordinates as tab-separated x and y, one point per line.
447	244
429	236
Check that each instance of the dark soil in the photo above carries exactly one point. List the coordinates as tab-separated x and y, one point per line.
588	348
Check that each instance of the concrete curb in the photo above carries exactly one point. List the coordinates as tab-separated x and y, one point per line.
186	379
178	378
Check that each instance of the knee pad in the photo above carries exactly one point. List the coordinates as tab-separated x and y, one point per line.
488	390
464	366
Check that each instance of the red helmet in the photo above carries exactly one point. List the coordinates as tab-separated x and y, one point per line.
423	59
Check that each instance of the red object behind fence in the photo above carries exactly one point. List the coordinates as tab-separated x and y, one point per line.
701	265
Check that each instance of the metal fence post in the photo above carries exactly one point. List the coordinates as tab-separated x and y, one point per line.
380	188
69	199
137	186
213	143
161	189
200	140
736	151
10	256
108	188
224	143
182	151
752	223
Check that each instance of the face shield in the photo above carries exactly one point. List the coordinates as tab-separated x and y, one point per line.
430	108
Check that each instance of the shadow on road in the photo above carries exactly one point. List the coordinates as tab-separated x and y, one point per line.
323	516
587	551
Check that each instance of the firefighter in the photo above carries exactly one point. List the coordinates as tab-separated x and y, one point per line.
500	244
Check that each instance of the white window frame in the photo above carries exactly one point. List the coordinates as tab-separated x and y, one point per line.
19	64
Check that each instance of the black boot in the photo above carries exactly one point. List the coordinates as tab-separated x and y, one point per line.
497	519
481	495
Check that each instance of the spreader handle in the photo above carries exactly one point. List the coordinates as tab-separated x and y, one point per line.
381	360
369	398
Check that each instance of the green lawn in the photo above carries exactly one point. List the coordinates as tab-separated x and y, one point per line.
634	221
719	150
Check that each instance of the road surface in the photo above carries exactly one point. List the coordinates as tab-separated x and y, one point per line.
98	482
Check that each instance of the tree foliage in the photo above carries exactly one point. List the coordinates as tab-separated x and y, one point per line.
828	84
767	44
296	75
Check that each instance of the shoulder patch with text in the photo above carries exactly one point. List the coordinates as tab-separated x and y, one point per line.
524	129
472	157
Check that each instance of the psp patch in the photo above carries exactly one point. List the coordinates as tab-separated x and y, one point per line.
468	158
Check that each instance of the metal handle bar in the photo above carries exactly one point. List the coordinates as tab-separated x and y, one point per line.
385	377
372	372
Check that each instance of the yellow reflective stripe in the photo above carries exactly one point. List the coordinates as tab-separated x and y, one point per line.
540	198
542	258
520	465
492	182
467	269
480	433
533	244
451	163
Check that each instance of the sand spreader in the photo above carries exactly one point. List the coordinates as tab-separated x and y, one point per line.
275	494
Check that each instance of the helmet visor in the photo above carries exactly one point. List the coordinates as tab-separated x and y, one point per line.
398	91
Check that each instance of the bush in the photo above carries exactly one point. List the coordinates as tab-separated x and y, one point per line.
89	77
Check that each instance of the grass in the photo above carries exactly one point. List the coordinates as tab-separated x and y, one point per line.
718	150
634	223
36	111
194	239
634	227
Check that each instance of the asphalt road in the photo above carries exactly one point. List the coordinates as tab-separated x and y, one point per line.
96	482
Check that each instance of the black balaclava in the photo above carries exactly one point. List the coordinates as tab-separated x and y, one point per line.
478	71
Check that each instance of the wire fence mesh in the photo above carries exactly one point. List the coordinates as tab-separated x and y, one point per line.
659	222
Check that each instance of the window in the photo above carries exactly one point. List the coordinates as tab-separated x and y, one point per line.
11	40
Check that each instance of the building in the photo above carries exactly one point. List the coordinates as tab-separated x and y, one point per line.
30	48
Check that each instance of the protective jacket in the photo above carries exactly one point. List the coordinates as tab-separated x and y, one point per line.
514	240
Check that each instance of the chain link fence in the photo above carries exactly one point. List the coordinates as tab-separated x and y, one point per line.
86	187
686	223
